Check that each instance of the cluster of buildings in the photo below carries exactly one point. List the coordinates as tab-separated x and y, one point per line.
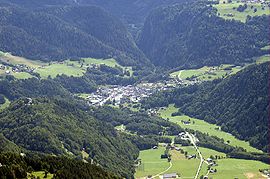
117	95
16	68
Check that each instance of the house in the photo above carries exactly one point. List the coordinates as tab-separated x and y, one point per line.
170	176
209	160
155	147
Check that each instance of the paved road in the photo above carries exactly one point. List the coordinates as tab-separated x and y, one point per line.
191	137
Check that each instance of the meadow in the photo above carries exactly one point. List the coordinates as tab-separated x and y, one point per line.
238	168
207	73
204	127
229	10
40	174
5	105
152	164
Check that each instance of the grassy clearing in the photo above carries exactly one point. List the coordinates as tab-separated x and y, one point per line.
109	62
205	127
266	47
186	168
152	164
238	168
207	73
22	75
15	60
83	95
227	10
263	59
58	69
40	174
5	105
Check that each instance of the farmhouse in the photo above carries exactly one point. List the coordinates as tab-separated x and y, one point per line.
169	176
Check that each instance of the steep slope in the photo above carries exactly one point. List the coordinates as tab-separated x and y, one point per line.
239	104
192	35
63	127
54	34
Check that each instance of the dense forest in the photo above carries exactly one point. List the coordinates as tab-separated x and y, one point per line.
192	35
65	127
238	103
17	166
22	33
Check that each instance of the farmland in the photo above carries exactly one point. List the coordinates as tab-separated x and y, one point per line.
237	168
25	67
205	127
206	73
229	10
152	164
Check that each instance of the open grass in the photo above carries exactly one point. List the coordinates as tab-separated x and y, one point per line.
5	105
238	168
263	59
58	69
41	175
205	127
207	73
152	164
184	167
227	8
267	47
14	60
22	75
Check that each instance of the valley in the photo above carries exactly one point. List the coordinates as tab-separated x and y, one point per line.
134	89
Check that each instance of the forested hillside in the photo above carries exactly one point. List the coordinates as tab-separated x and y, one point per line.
102	36
239	103
15	166
192	35
61	126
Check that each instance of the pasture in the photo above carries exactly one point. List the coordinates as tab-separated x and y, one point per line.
152	164
205	127
229	10
263	59
206	73
40	174
238	168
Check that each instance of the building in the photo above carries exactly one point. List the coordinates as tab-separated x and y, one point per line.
170	176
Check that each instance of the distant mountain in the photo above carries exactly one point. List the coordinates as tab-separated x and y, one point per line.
66	32
192	35
58	126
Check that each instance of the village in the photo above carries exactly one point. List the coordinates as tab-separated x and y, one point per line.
117	95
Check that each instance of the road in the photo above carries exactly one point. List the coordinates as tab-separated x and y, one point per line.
191	137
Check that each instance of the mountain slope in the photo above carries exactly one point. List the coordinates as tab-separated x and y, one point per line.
56	33
192	35
239	104
63	127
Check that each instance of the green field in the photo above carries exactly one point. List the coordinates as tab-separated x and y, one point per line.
207	73
263	59
238	168
5	105
204	127
226	10
58	69
40	174
22	75
152	164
